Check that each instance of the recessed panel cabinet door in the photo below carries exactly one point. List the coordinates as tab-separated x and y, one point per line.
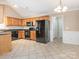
15	22
9	21
19	23
33	35
21	34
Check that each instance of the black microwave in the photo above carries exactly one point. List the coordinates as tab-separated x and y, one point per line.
29	23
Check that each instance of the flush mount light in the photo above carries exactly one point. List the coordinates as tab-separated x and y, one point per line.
15	6
61	7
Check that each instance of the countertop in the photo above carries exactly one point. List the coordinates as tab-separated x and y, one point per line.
10	28
3	33
13	28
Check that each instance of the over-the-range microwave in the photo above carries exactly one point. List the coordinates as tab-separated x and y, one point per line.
29	23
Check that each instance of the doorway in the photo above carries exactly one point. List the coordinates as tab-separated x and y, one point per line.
56	26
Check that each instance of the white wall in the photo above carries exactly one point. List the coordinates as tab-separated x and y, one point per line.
51	28
8	11
71	37
56	27
1	14
71	27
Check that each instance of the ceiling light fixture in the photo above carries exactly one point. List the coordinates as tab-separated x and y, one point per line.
61	7
15	6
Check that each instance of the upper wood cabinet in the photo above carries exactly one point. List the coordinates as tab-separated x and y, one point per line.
23	22
20	22
10	21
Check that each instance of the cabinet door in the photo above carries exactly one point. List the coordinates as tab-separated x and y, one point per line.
21	34
19	23
31	19
28	20
23	22
9	21
33	35
15	22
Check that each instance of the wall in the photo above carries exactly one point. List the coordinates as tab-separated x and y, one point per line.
71	27
51	28
1	14
71	21
8	11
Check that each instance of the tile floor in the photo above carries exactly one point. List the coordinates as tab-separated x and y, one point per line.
26	49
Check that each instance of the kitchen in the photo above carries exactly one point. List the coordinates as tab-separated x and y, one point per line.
39	29
26	29
23	28
13	27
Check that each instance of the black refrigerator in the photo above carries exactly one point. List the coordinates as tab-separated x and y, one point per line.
43	31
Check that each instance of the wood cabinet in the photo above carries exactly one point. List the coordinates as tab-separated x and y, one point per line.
5	43
33	35
24	22
10	21
20	22
14	22
21	34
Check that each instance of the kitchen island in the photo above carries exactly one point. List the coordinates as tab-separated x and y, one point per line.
5	42
6	38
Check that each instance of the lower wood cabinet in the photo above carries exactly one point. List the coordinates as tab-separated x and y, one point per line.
21	34
33	35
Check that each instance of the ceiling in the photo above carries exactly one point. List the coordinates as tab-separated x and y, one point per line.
29	8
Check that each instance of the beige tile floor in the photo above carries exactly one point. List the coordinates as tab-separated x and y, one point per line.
26	49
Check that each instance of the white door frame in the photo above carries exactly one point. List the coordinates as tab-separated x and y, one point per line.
51	27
